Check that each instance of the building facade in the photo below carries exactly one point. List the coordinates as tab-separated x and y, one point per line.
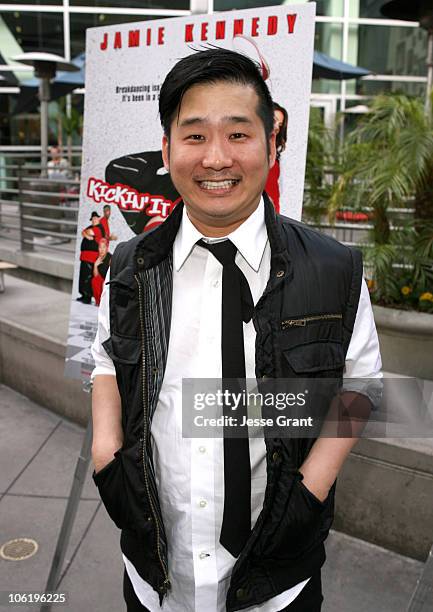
350	30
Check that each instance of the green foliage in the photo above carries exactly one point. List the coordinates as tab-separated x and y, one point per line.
320	160
73	123
387	161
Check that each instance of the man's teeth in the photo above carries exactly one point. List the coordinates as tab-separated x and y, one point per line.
218	184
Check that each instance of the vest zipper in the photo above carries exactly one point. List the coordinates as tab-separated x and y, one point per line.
302	321
166	584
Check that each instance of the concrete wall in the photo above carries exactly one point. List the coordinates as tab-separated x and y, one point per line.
33	364
406	341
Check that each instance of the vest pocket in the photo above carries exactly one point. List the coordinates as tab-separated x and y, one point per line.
295	528
110	483
322	356
123	349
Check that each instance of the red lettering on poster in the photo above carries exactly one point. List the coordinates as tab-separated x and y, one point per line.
148	37
134	38
161	35
118	40
104	43
220	29
291	19
238	27
188	32
255	26
272	25
127	198
204	26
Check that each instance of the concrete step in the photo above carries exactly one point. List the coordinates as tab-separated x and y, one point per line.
51	268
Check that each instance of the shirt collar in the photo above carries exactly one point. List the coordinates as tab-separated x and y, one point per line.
249	238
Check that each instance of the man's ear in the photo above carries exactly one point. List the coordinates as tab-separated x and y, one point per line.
166	152
272	149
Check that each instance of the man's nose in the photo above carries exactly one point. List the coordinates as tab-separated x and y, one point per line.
217	155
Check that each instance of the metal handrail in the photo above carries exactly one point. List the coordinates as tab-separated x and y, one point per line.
33	230
50	206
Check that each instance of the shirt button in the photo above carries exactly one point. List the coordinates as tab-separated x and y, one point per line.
202	503
204	555
215	284
202	449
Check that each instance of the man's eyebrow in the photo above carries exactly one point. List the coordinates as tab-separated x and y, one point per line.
203	120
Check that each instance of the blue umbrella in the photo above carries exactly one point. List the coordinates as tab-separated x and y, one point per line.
325	67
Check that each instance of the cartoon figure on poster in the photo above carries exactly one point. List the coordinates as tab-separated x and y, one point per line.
125	189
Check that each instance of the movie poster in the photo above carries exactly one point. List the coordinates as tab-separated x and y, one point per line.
125	189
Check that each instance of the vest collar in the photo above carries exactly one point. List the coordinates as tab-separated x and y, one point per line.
156	245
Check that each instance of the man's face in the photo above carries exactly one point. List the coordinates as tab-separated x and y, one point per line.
107	213
95	220
217	154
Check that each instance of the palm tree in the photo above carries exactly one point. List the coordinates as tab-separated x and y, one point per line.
319	165
387	161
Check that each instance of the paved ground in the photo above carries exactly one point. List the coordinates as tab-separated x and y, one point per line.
38	453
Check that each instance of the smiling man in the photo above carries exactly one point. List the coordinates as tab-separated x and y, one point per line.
234	523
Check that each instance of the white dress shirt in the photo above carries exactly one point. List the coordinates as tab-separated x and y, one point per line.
190	472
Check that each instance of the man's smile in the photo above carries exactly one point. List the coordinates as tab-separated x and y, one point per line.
217	185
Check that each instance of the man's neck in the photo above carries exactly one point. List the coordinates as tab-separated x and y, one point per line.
217	231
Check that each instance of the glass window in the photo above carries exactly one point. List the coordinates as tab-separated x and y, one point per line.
327	8
132	4
391	50
369	8
374	88
325	86
36	31
328	39
80	22
37	2
229	5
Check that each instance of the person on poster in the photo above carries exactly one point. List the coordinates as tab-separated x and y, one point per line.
222	524
89	251
100	269
106	214
272	186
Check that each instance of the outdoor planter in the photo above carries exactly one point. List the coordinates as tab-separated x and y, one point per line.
406	341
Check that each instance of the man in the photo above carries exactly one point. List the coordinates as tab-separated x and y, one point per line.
92	235
180	502
58	167
106	214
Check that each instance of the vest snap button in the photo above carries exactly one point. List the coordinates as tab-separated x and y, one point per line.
280	273
140	261
275	456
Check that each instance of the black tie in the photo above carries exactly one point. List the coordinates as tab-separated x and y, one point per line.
237	306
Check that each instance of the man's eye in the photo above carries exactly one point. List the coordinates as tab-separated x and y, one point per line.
237	135
195	137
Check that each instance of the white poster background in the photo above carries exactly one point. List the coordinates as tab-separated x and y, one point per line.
126	64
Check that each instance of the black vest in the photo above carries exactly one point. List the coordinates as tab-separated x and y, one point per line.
314	279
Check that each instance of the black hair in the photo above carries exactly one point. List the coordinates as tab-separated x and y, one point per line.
212	66
106	206
281	138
